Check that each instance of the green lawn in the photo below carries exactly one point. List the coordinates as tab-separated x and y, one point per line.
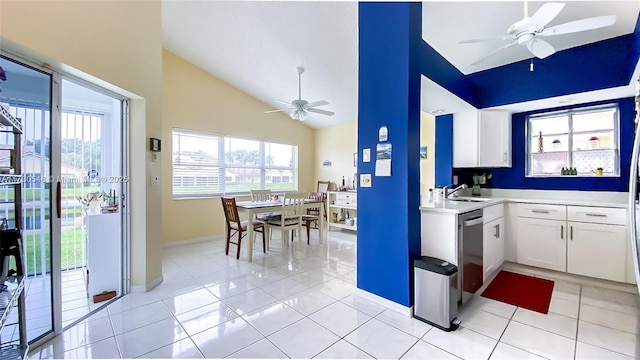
72	250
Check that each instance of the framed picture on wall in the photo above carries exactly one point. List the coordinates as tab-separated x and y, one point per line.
423	152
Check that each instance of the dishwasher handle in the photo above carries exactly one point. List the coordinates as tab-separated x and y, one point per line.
473	221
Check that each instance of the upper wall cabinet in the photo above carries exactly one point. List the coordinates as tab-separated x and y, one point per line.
482	139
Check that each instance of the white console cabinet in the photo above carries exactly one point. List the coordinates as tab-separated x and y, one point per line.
343	209
104	251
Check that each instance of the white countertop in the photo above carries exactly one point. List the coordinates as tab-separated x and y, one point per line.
584	198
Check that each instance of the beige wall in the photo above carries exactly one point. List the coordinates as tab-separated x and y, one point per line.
428	139
115	44
336	144
194	99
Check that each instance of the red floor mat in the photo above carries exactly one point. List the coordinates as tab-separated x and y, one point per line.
521	290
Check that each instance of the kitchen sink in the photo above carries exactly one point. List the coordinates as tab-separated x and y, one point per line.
468	199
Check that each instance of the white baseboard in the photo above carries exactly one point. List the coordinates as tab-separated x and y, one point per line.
407	311
193	241
147	287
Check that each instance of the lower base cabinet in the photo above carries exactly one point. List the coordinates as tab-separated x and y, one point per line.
597	250
493	246
542	243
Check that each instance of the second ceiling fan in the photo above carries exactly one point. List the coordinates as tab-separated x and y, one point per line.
298	109
529	31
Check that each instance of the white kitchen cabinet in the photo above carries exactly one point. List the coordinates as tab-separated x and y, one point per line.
597	250
510	232
597	245
542	243
482	139
493	246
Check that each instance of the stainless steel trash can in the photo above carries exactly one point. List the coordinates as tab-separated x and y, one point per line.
435	296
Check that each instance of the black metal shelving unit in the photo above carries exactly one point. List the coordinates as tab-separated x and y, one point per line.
14	296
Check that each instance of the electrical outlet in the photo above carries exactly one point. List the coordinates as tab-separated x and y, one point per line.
455	179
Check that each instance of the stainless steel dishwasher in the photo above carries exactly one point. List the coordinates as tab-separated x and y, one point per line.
470	254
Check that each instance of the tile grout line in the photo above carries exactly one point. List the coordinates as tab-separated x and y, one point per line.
575	345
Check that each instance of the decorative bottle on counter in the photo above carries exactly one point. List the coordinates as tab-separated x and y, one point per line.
343	183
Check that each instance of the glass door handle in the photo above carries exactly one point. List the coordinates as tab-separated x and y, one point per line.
58	199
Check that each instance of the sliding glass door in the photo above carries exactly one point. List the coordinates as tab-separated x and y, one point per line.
72	251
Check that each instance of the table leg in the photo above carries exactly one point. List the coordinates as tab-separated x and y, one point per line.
321	224
249	239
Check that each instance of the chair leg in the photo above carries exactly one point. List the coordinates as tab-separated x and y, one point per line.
264	241
308	225
239	242
226	250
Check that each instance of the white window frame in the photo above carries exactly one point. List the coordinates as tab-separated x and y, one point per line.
570	113
221	163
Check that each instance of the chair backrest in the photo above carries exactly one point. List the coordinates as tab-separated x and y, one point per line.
292	203
317	195
323	186
230	210
261	195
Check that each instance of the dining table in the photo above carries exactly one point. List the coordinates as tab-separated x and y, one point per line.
252	208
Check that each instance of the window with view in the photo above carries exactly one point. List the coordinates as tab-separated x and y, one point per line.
206	165
585	139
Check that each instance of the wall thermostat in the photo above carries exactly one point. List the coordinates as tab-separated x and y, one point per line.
155	145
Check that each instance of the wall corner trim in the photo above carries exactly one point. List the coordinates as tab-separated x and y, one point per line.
148	286
392	305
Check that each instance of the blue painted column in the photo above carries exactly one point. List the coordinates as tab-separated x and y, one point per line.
389	95
444	150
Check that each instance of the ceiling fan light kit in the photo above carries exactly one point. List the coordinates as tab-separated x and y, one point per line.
299	109
529	31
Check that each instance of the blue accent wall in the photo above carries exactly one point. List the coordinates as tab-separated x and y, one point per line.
601	65
514	177
389	95
444	150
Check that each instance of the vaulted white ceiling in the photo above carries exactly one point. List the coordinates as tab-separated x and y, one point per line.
256	46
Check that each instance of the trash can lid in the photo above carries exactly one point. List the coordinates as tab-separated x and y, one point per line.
435	265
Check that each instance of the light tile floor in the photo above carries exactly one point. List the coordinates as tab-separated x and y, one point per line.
300	303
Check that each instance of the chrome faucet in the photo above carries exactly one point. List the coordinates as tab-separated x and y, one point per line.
446	195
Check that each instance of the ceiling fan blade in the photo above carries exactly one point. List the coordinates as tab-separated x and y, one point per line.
580	25
279	110
317	103
540	48
284	102
470	41
544	15
323	112
493	52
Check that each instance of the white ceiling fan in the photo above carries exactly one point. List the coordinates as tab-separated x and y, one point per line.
530	31
299	108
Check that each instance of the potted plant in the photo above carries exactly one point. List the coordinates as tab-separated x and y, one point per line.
478	180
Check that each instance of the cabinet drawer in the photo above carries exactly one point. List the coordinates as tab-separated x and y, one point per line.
347	202
346	196
543	211
598	215
492	212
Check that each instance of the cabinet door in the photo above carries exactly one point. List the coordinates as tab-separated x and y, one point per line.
465	139
542	243
495	139
597	250
493	245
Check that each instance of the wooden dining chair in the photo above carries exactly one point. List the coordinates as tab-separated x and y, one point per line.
236	226
290	216
312	218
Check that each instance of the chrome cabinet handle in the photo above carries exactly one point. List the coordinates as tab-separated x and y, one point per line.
596	215
562	232
497	234
540	211
571	235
